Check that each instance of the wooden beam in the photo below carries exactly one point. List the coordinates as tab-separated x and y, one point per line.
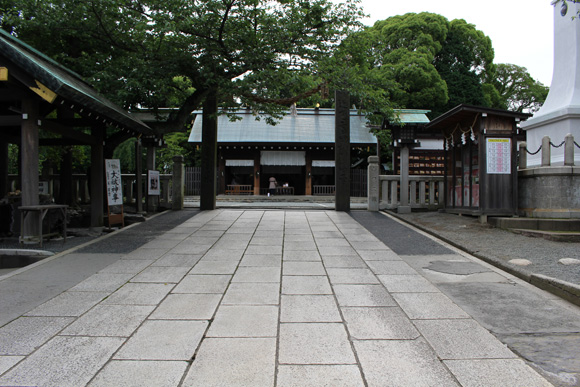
68	133
60	142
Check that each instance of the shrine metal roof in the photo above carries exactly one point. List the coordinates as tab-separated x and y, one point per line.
313	126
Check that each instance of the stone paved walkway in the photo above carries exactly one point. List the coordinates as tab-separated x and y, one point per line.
257	298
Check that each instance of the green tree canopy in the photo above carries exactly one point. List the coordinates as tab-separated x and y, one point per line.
513	88
155	54
426	61
401	51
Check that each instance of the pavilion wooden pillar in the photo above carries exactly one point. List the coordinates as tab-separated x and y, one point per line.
66	181
97	176
3	168
342	150
257	173
308	171
222	175
29	159
65	170
207	200
138	177
151	200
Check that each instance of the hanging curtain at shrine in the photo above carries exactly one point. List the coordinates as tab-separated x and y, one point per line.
283	158
323	163
239	163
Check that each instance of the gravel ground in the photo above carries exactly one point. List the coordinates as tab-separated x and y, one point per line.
497	245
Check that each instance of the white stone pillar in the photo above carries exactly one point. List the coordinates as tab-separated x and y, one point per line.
373	182
560	113
404	207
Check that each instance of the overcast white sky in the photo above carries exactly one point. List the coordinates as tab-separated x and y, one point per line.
522	32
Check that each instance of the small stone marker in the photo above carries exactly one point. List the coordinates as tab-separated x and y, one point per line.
569	261
520	262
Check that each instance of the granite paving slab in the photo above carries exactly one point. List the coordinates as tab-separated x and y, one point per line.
236	368
306	285
495	373
353	261
412	283
309	308
164	340
257	274
245	321
187	307
391	267
64	362
252	293
273	260
7	362
69	303
25	334
462	339
105	282
203	284
109	320
182	260
351	276
298	237
319	376
190	248
428	306
301	256
401	363
253	249
161	274
145	253
299	245
379	324
127	266
222	255
363	295
139	294
332	242
378	255
336	250
129	373
303	268
214	267
314	343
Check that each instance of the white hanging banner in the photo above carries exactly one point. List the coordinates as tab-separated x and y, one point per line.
153	187
114	183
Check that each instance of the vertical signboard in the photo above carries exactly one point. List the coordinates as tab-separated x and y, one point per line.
114	191
153	186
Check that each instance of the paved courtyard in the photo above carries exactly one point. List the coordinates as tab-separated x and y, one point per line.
260	298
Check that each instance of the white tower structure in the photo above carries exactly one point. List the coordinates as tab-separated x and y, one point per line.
560	113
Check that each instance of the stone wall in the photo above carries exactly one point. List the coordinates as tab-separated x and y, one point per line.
549	192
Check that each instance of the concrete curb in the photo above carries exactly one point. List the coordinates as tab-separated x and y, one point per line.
566	290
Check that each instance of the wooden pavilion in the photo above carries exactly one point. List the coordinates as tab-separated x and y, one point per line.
39	96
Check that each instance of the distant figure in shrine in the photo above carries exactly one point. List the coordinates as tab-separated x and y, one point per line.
272	187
